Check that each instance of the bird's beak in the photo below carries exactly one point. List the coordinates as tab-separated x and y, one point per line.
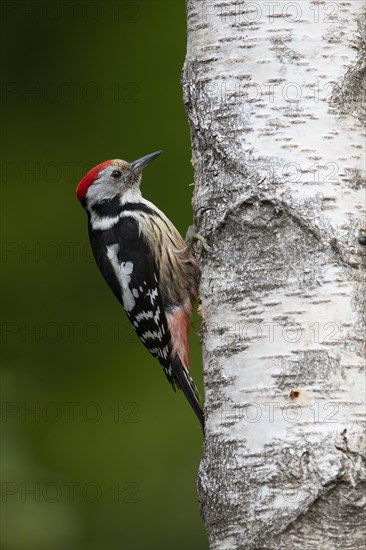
139	164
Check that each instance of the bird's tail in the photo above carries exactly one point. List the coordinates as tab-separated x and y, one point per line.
184	381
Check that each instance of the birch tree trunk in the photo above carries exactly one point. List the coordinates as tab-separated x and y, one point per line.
275	94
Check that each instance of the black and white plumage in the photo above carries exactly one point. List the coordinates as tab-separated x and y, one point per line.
146	263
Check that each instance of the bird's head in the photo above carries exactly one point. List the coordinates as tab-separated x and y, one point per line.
112	178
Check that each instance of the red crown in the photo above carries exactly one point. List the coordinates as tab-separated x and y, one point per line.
89	178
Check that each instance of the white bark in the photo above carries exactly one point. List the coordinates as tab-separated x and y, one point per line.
275	97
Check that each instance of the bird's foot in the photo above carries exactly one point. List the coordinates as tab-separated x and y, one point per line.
192	237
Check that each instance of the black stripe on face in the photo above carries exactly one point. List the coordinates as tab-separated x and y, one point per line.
108	208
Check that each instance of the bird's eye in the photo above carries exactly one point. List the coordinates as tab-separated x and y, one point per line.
116	174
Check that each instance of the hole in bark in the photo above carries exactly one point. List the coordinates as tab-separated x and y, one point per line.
294	393
362	240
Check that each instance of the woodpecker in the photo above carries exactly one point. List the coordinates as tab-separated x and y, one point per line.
146	263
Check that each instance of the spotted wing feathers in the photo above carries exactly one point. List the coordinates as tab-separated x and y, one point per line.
128	266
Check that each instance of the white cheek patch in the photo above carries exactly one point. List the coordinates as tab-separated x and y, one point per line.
123	273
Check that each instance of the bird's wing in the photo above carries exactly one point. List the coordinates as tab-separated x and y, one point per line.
128	266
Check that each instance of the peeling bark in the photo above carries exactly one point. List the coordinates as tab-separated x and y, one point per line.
273	92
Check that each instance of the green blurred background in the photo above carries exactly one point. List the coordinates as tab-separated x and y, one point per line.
97	450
